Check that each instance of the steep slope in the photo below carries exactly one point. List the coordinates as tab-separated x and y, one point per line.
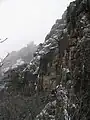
50	44
73	71
60	68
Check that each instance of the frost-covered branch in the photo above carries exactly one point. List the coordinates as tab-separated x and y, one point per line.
2	60
1	41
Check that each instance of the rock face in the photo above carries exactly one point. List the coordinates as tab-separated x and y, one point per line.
73	70
61	68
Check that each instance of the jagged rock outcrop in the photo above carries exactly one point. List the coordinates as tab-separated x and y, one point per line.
62	69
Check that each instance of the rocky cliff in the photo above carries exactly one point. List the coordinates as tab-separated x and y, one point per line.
58	76
69	66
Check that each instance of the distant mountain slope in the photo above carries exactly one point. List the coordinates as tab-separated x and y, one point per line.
25	54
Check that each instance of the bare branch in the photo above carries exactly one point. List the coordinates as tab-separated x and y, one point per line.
2	60
1	41
6	56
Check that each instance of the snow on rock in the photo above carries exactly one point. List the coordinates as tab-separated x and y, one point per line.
36	71
66	70
48	113
41	52
49	44
18	63
62	95
5	69
50	109
38	57
67	117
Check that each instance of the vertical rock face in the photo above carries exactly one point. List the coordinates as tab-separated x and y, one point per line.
78	62
74	60
44	62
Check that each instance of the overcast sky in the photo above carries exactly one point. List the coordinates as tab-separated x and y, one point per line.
22	21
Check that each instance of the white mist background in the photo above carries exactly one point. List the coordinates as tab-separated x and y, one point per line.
22	21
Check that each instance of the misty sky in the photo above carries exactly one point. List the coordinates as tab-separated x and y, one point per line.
22	21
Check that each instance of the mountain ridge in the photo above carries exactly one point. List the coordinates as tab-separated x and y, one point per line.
57	80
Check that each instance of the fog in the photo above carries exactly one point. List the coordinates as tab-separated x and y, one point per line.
22	21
